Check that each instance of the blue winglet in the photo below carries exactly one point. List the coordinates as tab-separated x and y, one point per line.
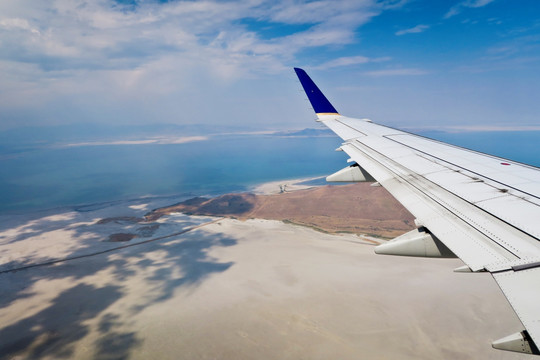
320	103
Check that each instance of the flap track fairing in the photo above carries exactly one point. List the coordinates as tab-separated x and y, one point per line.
418	242
353	173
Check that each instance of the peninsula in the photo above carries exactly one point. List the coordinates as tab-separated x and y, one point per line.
233	277
357	208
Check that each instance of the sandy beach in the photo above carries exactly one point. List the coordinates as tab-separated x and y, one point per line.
200	287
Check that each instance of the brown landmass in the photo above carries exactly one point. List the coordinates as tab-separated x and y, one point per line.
356	208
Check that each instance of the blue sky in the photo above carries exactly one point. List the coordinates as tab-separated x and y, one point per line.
472	64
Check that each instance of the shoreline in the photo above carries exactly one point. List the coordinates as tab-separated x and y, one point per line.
261	188
190	286
245	289
351	208
49	235
286	185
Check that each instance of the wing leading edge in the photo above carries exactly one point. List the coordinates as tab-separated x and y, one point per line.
480	208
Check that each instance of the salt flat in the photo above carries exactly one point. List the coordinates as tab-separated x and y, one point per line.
238	290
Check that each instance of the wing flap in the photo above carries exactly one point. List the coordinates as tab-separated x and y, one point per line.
522	289
432	207
462	196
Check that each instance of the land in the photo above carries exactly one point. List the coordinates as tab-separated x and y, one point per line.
175	286
356	208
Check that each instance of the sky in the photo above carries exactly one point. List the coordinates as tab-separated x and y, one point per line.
461	64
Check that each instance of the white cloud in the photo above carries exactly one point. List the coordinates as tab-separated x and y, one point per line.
323	11
413	30
76	34
396	72
154	141
349	61
344	61
95	59
17	23
456	9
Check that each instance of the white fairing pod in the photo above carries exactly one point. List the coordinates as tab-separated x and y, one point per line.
353	173
417	242
519	342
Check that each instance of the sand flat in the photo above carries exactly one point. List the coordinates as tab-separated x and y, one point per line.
251	289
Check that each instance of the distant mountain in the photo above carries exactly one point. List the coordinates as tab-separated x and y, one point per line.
22	139
307	132
39	136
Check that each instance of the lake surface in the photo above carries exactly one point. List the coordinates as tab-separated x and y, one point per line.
68	176
53	177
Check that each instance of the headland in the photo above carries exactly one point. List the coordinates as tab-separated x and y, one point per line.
237	279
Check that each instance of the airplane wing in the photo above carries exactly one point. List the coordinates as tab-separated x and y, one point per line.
481	208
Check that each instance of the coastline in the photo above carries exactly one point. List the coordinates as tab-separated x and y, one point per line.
286	185
47	235
263	188
211	287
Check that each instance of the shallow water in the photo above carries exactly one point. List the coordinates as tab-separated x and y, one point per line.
53	177
67	176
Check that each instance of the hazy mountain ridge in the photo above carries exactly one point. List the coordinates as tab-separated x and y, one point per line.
306	132
21	139
39	135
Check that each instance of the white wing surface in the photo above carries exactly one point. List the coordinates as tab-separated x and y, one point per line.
481	208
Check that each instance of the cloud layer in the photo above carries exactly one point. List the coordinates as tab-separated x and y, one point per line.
414	30
459	7
216	61
71	35
72	51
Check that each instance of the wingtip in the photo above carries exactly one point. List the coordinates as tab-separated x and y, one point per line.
320	103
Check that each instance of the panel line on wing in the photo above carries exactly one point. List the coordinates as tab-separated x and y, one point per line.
389	137
425	138
474	224
453	235
348	133
349	126
523	222
440	201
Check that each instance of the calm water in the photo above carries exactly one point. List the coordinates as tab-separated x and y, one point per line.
521	146
90	174
53	177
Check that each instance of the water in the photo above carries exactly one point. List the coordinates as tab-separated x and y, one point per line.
52	177
521	146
